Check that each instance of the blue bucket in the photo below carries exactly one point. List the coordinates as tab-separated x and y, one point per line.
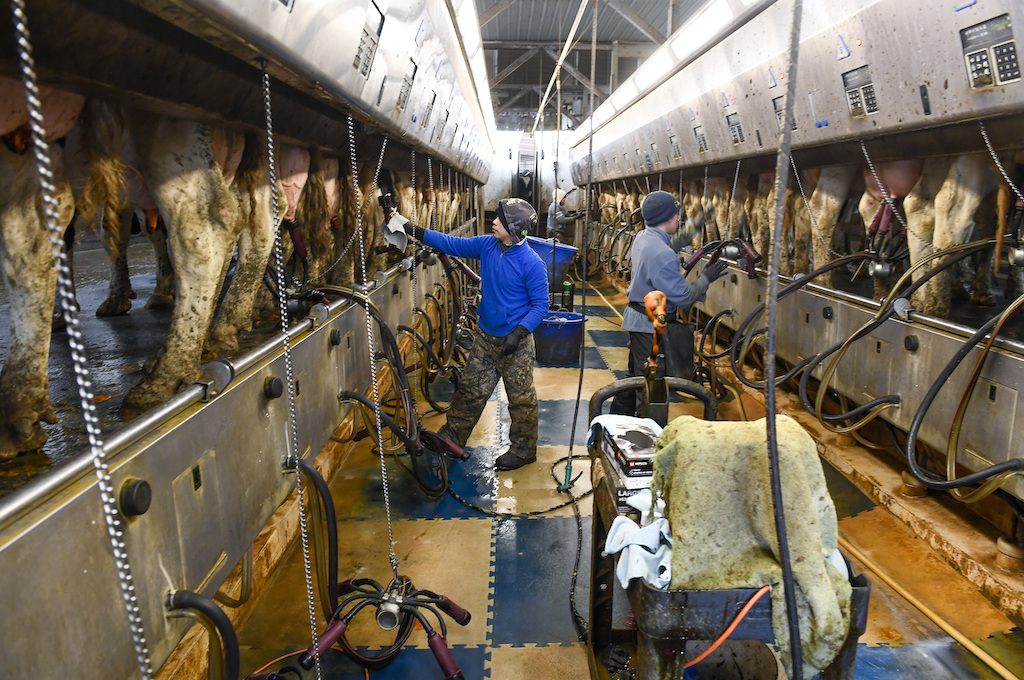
559	252
558	338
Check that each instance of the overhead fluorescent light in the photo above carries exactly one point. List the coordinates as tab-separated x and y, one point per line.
654	69
624	96
702	27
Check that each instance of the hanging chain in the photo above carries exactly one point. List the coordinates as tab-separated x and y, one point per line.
732	196
48	191
1002	170
292	455
703	212
892	204
369	334
355	184
430	177
415	298
810	213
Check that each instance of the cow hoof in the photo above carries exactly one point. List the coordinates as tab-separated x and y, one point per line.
983	299
159	301
140	399
132	295
113	307
24	435
214	348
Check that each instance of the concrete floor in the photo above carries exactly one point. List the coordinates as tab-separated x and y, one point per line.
513	571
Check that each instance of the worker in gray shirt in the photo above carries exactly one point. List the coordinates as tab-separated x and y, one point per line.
656	267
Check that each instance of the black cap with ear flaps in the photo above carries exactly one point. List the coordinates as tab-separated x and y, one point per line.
518	217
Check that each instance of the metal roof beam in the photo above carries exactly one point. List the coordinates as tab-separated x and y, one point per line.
630	15
512	100
494	10
626	50
511	68
575	73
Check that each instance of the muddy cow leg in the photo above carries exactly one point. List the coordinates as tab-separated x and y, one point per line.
30	277
955	205
826	202
119	290
203	223
255	243
156	233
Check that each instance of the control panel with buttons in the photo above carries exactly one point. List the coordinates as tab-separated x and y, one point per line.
990	53
860	92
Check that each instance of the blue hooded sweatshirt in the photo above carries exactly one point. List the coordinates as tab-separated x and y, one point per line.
514	285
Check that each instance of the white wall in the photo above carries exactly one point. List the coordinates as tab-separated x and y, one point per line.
502	167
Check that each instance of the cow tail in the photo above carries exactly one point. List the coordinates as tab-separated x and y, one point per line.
106	189
251	168
313	211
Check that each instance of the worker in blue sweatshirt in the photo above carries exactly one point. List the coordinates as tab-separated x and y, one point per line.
513	302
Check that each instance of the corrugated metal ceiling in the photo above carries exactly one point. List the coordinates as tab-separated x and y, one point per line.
627	29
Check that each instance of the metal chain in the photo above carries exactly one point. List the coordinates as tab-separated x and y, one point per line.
369	336
1002	170
292	455
430	176
732	197
703	212
355	184
814	223
415	298
48	191
885	195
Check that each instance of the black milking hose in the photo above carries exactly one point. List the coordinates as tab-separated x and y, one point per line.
330	519
739	337
186	599
926	477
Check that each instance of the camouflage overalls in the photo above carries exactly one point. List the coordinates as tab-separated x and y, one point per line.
483	368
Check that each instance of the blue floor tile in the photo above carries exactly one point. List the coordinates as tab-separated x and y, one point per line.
595	307
591	355
609	338
555	415
472	480
532	575
418	664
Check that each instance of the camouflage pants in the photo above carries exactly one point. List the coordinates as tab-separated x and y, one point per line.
483	368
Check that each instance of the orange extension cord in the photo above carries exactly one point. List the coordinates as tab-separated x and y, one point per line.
732	626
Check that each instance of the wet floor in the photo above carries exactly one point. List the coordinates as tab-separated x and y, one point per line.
496	551
116	348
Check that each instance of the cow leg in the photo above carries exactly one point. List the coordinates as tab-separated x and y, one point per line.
955	205
119	290
255	244
156	233
868	207
57	323
203	223
826	202
919	206
985	221
26	262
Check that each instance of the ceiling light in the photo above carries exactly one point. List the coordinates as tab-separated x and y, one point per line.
654	69
623	96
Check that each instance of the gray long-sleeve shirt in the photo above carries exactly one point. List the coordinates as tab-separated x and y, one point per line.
558	217
656	267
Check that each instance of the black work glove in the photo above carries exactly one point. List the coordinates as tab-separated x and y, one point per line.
714	270
512	340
